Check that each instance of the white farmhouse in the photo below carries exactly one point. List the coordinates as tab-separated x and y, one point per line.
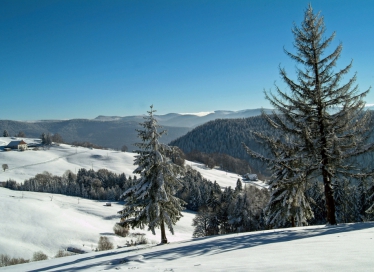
20	145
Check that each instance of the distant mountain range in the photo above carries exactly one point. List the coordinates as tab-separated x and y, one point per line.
189	120
116	131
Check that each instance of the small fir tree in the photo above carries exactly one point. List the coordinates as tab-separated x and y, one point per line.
202	223
239	186
151	201
46	139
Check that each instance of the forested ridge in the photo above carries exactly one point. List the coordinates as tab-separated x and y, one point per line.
227	135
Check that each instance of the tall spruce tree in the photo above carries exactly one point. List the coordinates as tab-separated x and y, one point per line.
326	118
151	200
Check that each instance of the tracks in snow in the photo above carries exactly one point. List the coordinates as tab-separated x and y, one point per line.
45	162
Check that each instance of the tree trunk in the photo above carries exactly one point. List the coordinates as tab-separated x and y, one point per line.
330	203
293	221
164	240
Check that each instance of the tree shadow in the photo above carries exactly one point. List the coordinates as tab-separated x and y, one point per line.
214	245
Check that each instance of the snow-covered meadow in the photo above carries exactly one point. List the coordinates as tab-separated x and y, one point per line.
48	222
33	221
42	221
346	247
59	158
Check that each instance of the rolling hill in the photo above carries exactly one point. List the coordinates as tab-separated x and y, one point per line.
115	131
48	222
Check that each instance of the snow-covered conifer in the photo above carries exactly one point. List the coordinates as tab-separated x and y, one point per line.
151	201
326	118
239	186
202	223
317	202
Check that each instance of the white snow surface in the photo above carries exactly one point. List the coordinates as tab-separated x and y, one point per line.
32	221
346	247
223	178
59	158
36	221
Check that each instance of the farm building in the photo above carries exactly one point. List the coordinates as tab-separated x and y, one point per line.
20	145
251	177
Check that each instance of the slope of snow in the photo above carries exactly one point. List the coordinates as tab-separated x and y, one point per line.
57	159
346	247
33	221
223	178
48	222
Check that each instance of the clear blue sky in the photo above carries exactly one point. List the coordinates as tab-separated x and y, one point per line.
80	59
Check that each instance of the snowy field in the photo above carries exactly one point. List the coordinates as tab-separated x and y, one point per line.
346	247
58	159
62	221
48	222
223	178
33	221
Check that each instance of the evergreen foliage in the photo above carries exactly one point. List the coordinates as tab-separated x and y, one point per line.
231	211
224	137
224	161
152	201
84	184
46	139
21	134
326	119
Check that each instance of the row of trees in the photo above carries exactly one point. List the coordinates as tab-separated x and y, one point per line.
47	138
19	134
231	211
98	185
224	161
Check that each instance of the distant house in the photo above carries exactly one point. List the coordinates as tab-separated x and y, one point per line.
251	177
20	145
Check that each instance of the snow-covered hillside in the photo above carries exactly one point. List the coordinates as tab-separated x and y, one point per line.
347	247
58	159
62	221
33	221
48	222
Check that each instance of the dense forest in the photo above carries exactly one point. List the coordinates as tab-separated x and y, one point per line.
225	136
